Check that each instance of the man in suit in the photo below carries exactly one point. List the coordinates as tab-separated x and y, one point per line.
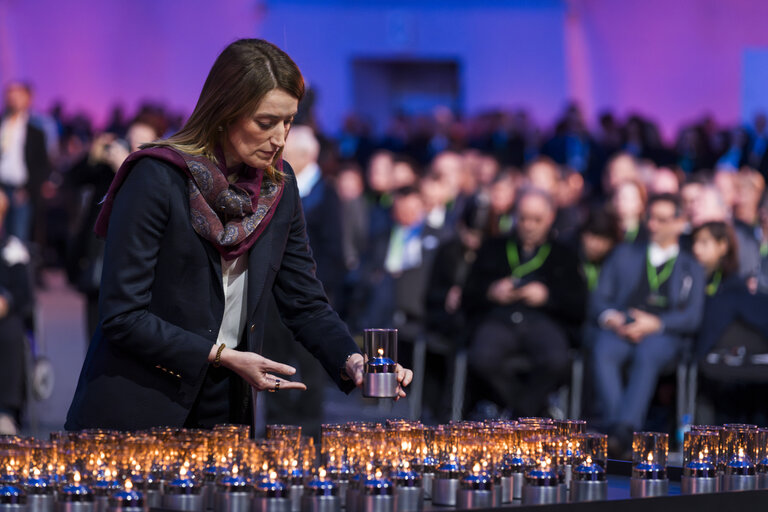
24	164
525	293
648	299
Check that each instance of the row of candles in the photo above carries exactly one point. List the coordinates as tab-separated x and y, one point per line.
362	467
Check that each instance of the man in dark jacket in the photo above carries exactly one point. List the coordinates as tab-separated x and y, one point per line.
525	293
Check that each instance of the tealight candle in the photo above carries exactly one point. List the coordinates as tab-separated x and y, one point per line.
541	484
12	499
183	494
740	470
233	493
649	465
270	495
408	489
321	494
378	494
445	486
127	500
590	457
380	370
75	497
476	490
700	449
39	493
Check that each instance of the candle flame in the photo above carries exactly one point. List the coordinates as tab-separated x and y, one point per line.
741	453
381	352
265	466
182	471
76	478
223	459
128	485
476	468
701	456
589	460
36	472
321	473
406	465
234	470
272	475
650	457
107	474
378	474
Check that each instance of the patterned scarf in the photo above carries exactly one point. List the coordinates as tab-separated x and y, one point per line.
231	216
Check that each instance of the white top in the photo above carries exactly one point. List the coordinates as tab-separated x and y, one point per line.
13	137
658	256
307	178
234	275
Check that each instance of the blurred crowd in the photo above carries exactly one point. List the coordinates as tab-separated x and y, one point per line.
528	247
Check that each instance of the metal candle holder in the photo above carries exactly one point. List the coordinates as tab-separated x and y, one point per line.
740	452
409	491
39	494
269	495
649	465
380	369
127	500
340	477
321	495
428	468
378	495
446	484
541	486
589	482
233	494
511	472
183	494
700	449
74	498
12	499
476	490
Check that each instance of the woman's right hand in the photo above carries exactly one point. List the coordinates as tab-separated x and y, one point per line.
258	371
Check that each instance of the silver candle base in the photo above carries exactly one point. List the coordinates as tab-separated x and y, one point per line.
444	491
320	504
208	490
100	503
739	482
232	501
517	485
183	502
271	504
427	480
699	485
762	480
473	498
13	507
153	498
588	491
380	385
40	502
648	488
541	494
409	499
343	486
378	503
74	506
295	493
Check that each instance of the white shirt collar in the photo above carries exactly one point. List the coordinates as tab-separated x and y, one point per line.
307	178
658	256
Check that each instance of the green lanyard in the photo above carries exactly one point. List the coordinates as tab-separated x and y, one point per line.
656	280
764	249
715	283
529	266
592	272
630	236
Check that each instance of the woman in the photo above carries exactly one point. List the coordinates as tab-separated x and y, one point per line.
200	227
628	201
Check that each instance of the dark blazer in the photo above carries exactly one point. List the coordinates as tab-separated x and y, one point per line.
36	160
626	267
559	273
162	302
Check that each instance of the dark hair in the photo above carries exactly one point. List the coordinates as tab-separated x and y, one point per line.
603	222
723	232
407	190
667	198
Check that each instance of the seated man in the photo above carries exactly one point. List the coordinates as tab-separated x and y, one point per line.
524	293
648	298
16	303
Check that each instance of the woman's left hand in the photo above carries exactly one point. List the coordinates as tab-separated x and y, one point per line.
354	369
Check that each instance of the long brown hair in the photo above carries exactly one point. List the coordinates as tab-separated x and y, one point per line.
240	78
722	232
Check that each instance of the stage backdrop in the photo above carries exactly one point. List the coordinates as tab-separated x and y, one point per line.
673	59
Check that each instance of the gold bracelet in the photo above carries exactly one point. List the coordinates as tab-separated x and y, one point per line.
217	361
